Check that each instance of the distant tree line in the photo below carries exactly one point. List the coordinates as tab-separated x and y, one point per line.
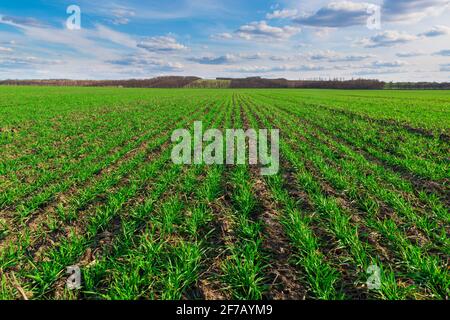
338	84
159	82
209	84
418	85
258	82
251	82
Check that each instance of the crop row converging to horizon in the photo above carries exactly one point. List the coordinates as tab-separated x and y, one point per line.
87	180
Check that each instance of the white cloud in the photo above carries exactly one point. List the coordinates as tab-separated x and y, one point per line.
121	15
444	53
212	60
4	49
338	14
149	62
222	36
161	44
387	39
387	64
261	30
252	56
373	72
26	62
282	14
332	56
116	37
409	54
445	67
24	21
281	58
84	41
436	31
282	68
410	10
227	58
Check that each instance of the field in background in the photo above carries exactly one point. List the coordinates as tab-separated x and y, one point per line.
86	179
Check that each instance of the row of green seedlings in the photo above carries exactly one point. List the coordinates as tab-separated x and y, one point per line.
401	198
243	268
103	156
432	220
391	177
47	115
16	169
409	144
349	156
15	251
320	276
413	149
160	255
74	139
115	207
391	109
81	174
423	156
424	269
64	138
71	246
4	282
336	221
96	120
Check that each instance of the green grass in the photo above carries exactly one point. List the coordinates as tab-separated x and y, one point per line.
86	179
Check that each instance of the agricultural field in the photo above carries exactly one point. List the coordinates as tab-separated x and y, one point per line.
86	180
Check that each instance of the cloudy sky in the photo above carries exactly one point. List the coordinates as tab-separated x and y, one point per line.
295	39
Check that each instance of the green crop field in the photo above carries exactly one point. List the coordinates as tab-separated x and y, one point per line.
362	195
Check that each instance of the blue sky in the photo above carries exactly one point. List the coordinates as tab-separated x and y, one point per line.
301	39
